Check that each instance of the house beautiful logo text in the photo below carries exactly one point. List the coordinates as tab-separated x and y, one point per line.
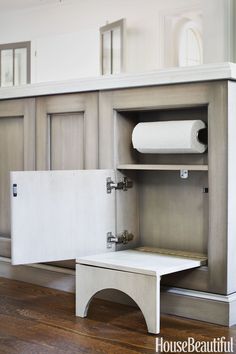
191	345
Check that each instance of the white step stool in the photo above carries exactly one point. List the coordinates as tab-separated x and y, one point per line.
134	272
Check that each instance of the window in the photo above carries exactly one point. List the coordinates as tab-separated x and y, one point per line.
112	47
190	45
14	64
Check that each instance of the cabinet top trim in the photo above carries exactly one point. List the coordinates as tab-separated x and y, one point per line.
206	72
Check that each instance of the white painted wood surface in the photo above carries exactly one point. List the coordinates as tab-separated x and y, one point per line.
133	272
206	72
143	289
60	215
140	262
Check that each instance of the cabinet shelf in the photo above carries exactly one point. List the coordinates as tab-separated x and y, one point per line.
146	167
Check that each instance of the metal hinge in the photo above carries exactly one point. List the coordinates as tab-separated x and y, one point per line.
123	185
123	238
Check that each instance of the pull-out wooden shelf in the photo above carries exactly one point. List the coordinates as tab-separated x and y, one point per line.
137	261
134	272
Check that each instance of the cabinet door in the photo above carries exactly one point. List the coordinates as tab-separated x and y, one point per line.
67	135
67	132
17	152
59	215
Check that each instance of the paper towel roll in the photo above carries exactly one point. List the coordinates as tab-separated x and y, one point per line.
172	137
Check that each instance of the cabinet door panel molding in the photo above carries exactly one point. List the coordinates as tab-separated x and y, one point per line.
51	109
17	152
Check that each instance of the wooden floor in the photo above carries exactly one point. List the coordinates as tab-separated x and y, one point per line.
39	320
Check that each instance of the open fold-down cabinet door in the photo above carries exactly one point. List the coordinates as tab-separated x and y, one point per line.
58	215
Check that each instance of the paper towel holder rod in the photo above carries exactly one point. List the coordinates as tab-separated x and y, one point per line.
203	136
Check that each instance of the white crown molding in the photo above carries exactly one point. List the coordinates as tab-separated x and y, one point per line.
206	72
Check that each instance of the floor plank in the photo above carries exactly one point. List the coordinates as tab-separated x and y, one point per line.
40	320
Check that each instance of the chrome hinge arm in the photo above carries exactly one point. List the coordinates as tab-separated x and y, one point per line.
124	185
123	238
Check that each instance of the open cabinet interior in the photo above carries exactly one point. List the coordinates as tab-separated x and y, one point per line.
165	208
171	212
60	215
125	121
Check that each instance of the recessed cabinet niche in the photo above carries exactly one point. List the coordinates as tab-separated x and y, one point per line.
173	213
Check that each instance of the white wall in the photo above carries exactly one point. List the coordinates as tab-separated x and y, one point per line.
65	56
217	25
65	35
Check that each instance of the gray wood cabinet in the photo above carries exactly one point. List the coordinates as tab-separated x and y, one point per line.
93	131
175	213
161	210
45	133
67	132
67	135
17	152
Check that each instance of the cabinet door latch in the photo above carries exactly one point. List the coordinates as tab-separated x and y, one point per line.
14	190
124	238
124	185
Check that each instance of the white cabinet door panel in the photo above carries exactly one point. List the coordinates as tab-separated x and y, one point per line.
59	215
